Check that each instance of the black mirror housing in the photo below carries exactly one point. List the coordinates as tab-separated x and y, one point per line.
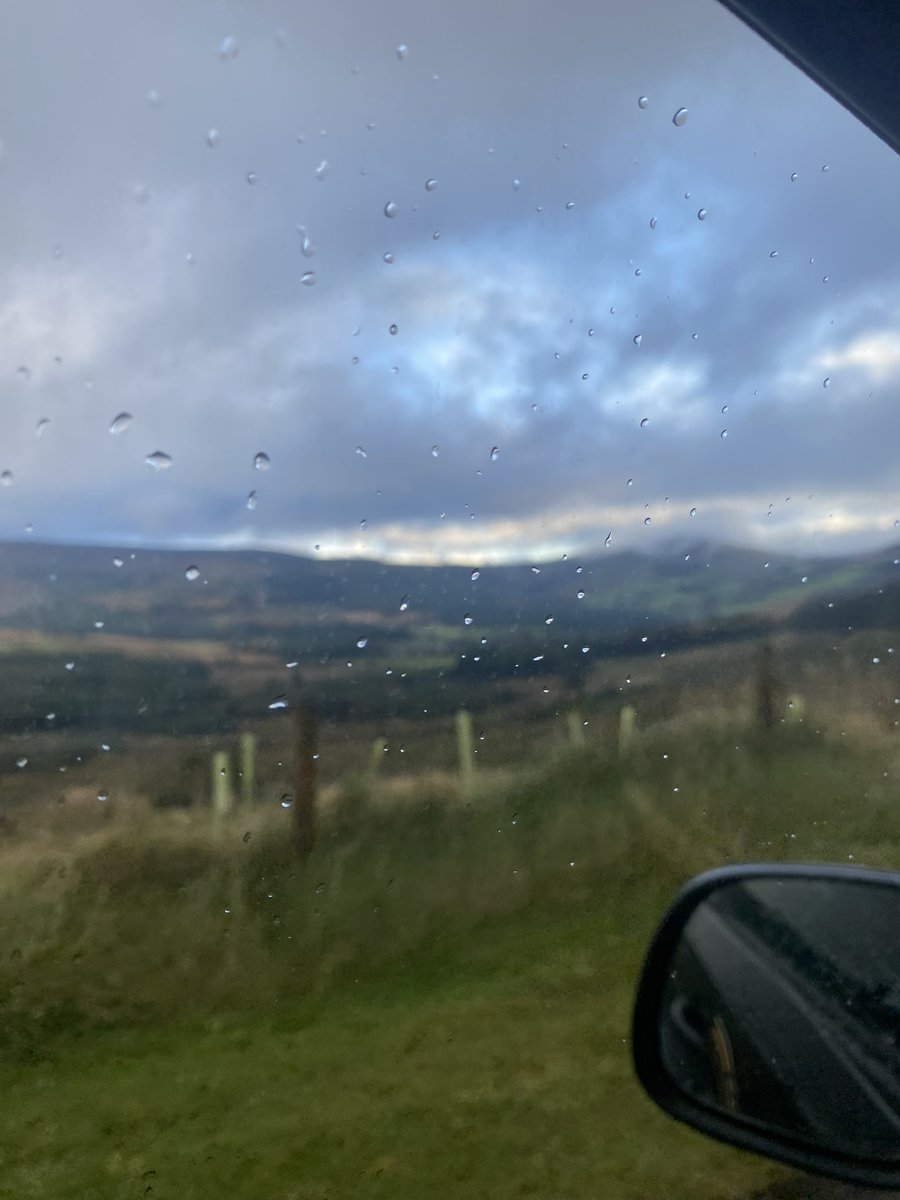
768	1016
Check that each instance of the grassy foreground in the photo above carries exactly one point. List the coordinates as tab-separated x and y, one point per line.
436	1004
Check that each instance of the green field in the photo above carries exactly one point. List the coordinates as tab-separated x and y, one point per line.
436	1002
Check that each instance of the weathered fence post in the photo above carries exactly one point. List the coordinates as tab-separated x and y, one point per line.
626	729
222	794
576	728
465	751
306	777
377	755
766	688
248	769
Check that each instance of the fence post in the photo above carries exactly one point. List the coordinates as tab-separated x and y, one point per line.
766	688
248	769
222	794
796	709
465	751
377	755
306	776
626	729
576	728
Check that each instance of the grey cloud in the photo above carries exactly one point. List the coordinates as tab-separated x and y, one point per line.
227	352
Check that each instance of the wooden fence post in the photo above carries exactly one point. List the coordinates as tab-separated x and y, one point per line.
306	777
377	755
576	728
465	751
766	688
222	794
796	709
248	769
626	729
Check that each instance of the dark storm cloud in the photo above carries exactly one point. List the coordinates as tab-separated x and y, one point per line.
149	272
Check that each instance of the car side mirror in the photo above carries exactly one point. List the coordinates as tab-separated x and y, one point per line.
768	1015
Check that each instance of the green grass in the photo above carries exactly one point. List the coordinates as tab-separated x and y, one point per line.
501	1073
437	1003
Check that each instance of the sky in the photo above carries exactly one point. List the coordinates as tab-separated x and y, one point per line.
453	269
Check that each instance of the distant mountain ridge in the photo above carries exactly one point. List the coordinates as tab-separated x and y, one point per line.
69	588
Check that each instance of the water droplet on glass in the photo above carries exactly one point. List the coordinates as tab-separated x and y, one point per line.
103	796
70	666
41	426
680	117
638	338
653	222
468	619
261	461
21	762
307	248
645	421
475	575
607	541
364	524
228	48
251	177
701	214
388	257
517	183
693	512
402	51
404	604
279	702
120	423
548	620
430	185
495	453
287	800
724	433
23	374
362	643
118	562
825	168
570	204
643	101
392	330
212	138
192	573
308	278
252	500
646	520
773	254
361	452
391	209
159	460
579	595
435	451
629	483
322	169
826	381
794	177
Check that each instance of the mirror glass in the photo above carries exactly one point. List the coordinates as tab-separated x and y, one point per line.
782	1007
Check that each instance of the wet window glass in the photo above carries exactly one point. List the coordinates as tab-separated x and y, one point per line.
448	496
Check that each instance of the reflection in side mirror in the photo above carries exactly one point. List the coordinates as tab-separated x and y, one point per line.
768	1015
